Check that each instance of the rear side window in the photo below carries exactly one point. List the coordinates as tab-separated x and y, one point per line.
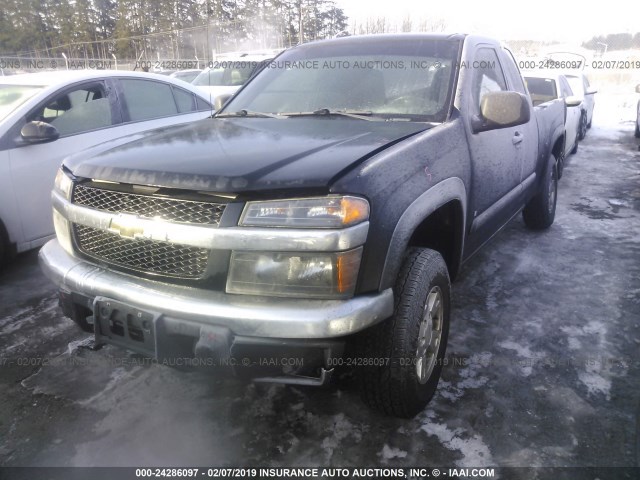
202	105
147	99
184	100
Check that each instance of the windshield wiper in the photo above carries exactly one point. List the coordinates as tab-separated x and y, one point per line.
360	115
248	113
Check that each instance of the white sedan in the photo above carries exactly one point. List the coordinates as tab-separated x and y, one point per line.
582	89
47	116
546	86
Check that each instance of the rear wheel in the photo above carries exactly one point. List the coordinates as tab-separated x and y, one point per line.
638	128
4	246
540	212
560	166
3	251
575	147
582	127
402	357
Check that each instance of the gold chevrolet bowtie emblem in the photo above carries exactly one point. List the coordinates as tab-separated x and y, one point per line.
126	226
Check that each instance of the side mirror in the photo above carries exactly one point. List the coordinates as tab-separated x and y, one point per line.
638	88
572	101
221	100
39	132
591	91
501	110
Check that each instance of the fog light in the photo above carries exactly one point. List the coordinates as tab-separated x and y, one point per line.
287	274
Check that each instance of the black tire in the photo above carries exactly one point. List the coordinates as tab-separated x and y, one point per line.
574	150
2	253
560	166
395	387
4	246
540	212
637	129
582	128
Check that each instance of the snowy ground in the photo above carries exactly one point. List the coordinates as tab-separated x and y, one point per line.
543	360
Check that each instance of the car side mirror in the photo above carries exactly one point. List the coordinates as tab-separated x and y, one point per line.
39	132
501	110
592	91
572	101
221	100
638	88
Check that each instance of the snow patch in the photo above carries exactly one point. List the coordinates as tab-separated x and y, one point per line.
73	347
595	383
524	352
341	428
573	343
389	453
117	374
469	377
473	449
521	350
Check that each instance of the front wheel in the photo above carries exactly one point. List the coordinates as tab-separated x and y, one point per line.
412	343
540	212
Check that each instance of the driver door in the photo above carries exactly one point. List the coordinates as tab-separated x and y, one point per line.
82	114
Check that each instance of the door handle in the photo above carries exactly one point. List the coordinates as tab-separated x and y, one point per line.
517	138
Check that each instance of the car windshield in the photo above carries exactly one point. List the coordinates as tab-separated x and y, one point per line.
226	74
404	79
12	96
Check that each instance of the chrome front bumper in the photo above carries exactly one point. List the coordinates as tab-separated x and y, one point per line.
252	316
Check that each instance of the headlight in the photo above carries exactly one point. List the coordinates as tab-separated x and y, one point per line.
308	275
63	184
61	226
323	212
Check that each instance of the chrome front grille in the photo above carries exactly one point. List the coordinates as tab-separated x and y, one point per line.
148	206
149	256
154	257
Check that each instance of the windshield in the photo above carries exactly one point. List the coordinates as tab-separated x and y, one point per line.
226	74
403	78
12	96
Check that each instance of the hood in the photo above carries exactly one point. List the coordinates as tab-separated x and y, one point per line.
242	154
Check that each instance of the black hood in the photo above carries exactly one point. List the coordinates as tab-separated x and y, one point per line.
242	154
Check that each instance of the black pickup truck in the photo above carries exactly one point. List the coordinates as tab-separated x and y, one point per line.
315	221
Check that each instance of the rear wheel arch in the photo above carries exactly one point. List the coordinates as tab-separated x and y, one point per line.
435	220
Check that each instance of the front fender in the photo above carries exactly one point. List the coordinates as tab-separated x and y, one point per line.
450	189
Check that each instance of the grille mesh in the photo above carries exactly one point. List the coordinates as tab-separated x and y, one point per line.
146	206
149	256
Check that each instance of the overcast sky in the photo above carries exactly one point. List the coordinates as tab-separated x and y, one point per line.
559	20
